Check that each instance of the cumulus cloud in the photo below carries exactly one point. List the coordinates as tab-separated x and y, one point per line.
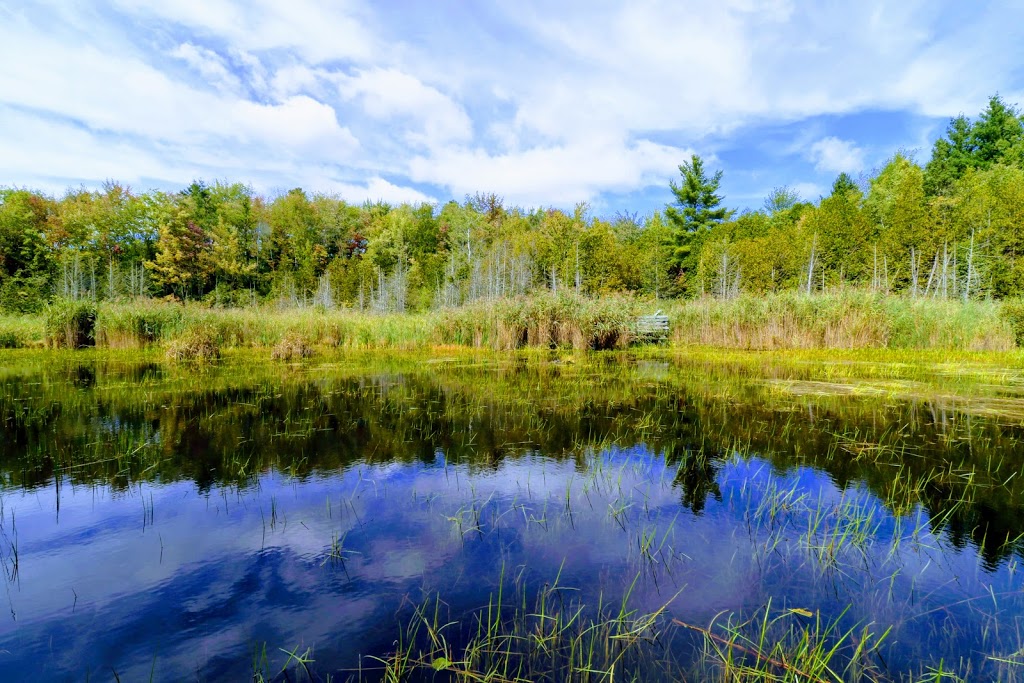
808	192
833	155
388	94
378	189
561	174
543	103
119	94
208	64
318	31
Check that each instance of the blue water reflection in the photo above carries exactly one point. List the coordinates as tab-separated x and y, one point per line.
190	577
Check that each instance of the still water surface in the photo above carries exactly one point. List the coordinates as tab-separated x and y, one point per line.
177	523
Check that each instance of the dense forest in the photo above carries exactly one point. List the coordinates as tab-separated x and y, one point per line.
953	227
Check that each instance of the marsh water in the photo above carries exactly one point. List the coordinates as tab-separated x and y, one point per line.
260	520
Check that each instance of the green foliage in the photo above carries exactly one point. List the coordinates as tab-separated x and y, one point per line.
183	262
997	137
844	184
23	293
137	324
950	229
1012	312
70	324
845	236
781	199
951	157
10	340
996	133
26	261
696	210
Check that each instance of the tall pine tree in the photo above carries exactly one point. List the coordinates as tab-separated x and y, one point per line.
696	211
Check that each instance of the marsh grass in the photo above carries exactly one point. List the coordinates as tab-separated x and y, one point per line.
70	324
542	320
551	637
793	645
292	347
849	319
22	331
846	319
143	323
138	324
197	344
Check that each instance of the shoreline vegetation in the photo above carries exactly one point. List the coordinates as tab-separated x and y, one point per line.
849	319
909	256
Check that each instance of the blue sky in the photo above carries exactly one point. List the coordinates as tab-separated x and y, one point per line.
545	104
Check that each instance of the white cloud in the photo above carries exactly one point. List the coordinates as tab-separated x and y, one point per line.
76	154
832	155
208	64
379	189
73	154
294	79
117	94
559	175
389	94
700	67
808	192
542	103
318	31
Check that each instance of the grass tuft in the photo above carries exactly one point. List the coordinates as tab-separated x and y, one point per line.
292	347
70	324
198	344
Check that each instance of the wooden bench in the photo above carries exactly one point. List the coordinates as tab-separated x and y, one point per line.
651	328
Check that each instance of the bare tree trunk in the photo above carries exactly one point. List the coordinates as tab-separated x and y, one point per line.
579	280
874	272
913	272
931	275
970	264
810	267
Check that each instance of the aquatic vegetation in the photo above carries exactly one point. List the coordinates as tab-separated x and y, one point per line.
846	319
292	347
659	514
789	320
198	344
70	324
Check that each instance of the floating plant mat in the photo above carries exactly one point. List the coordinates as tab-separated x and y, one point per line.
522	517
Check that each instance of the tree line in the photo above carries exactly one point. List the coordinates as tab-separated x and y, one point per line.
951	228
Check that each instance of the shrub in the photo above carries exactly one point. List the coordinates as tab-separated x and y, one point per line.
196	344
24	294
9	340
136	325
1012	312
292	347
70	324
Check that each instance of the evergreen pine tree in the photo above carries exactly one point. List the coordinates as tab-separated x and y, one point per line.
696	210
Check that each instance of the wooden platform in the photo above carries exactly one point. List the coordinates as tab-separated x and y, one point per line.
651	328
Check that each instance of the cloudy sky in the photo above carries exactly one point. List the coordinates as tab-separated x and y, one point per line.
543	103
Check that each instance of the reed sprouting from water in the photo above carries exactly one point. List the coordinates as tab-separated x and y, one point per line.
549	637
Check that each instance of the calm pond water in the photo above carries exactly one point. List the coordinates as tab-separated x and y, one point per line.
666	516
